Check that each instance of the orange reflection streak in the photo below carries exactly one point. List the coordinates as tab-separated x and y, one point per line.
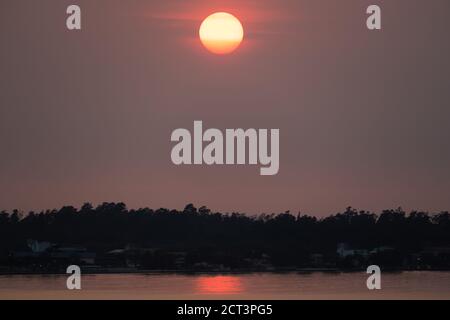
219	285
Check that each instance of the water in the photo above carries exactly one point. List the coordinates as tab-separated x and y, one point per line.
405	285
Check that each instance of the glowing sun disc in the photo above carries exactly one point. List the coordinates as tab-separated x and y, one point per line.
221	33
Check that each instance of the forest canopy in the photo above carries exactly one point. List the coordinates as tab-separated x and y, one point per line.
111	225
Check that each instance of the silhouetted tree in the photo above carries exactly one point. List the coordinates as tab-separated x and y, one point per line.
286	238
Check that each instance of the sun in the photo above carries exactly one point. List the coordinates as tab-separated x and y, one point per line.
221	33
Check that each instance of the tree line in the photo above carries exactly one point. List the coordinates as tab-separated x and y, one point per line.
112	225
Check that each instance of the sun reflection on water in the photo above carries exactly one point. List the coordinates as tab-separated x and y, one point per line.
219	285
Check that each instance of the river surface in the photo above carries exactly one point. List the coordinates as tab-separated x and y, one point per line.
316	285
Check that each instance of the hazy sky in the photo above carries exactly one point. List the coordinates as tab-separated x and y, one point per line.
363	116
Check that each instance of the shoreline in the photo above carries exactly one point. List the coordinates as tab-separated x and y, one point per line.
210	272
